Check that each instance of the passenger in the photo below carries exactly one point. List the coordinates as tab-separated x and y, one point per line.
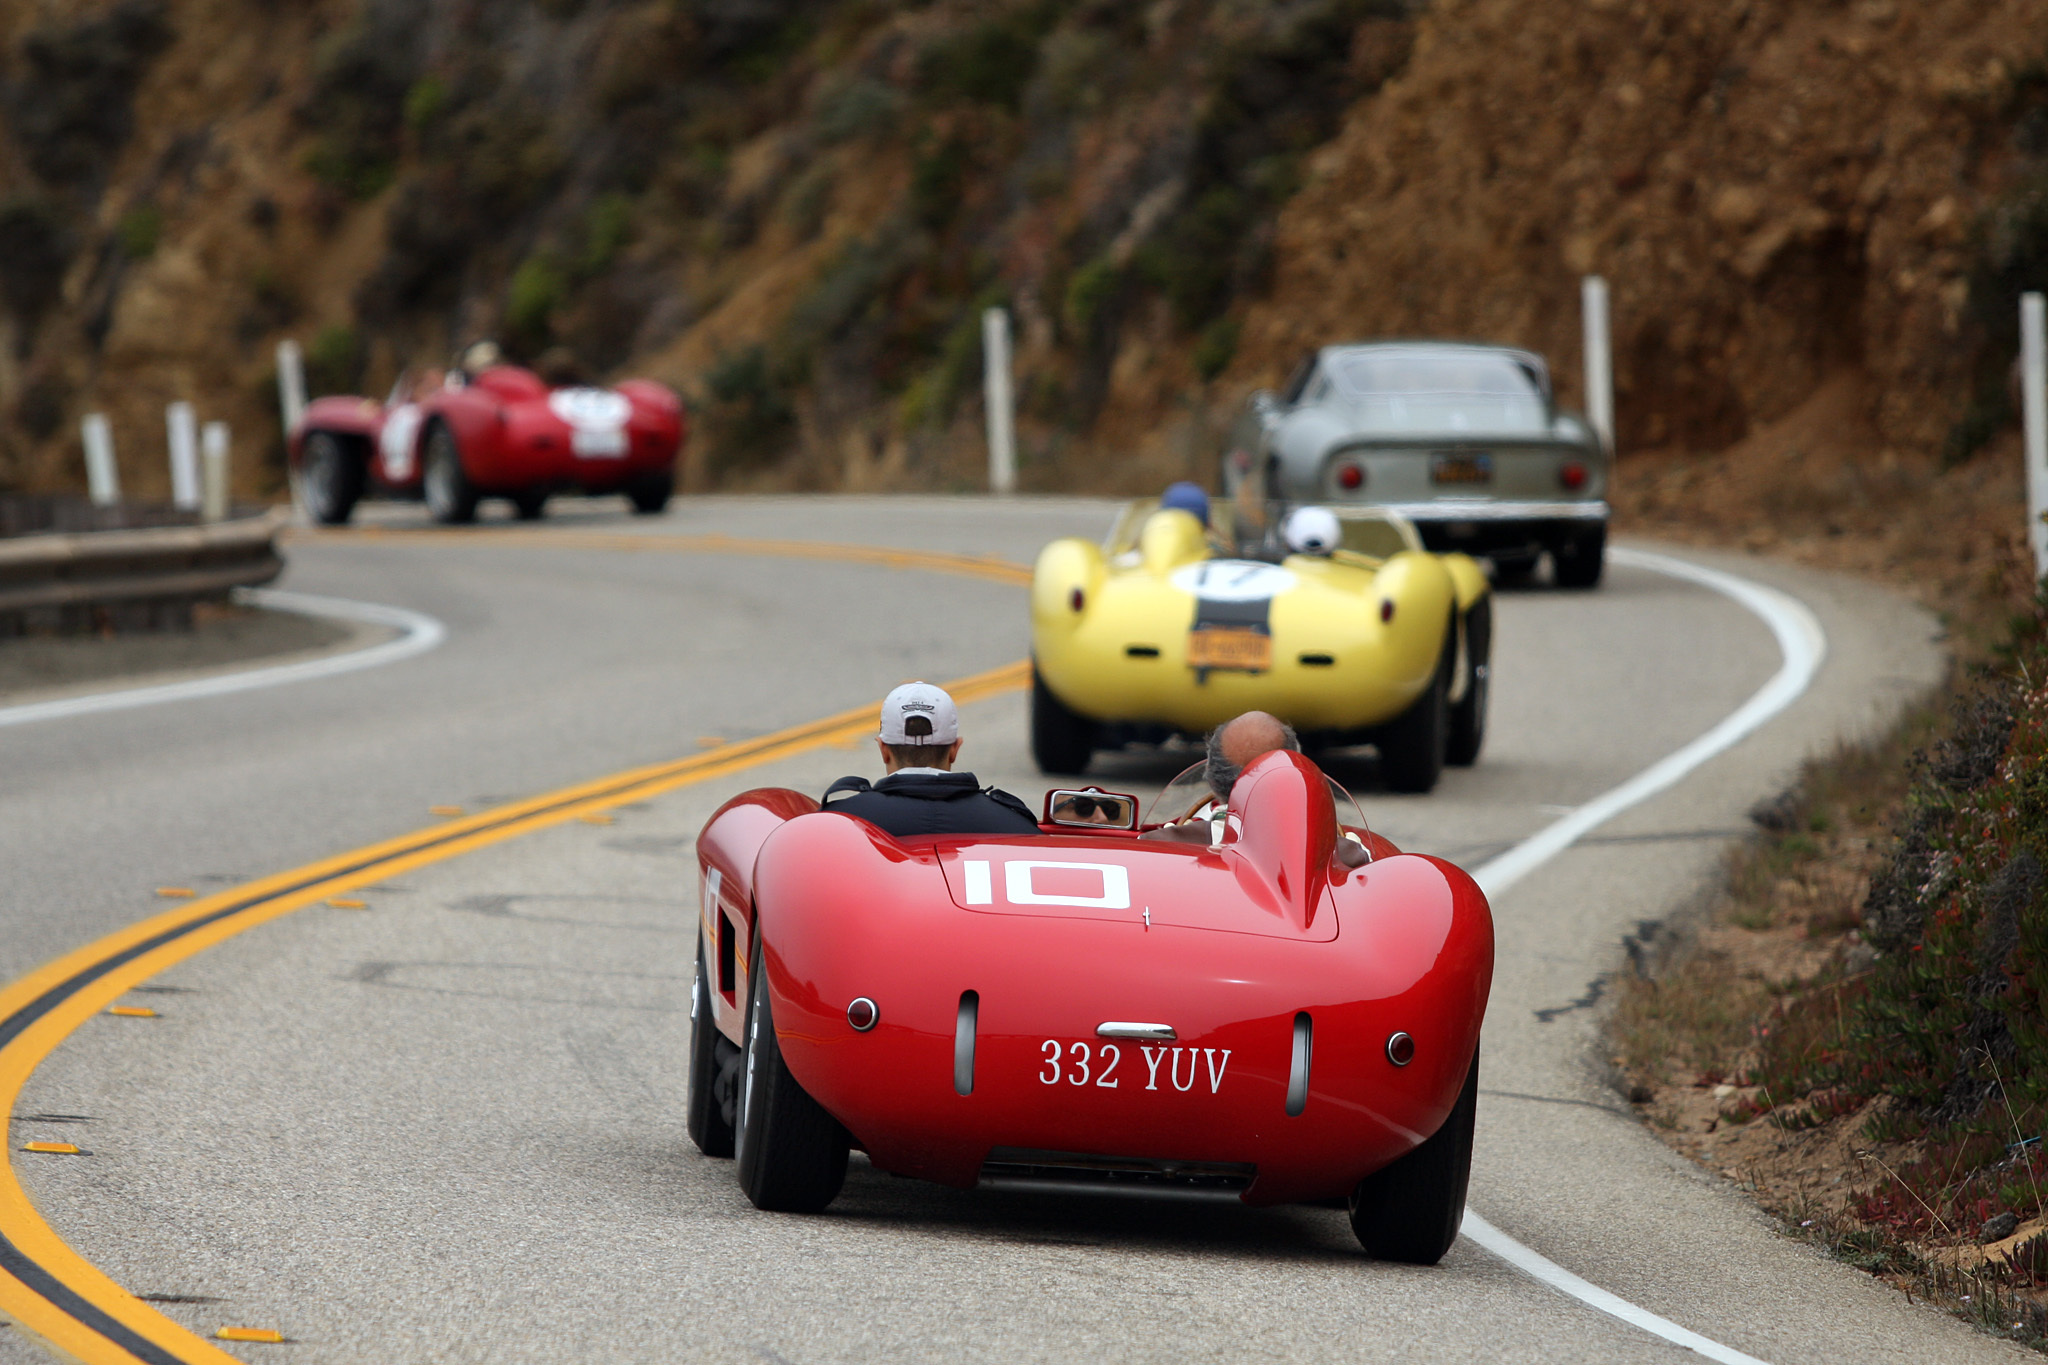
1234	746
1312	531
919	792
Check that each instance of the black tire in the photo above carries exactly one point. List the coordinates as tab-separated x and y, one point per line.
1061	741
1410	1211
330	479
1577	562
451	498
1468	713
1412	747
650	495
714	1071
530	506
792	1154
1511	571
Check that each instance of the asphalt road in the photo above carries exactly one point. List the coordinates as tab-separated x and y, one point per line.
448	1126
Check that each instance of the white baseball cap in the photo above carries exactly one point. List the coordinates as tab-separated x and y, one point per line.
918	713
1312	531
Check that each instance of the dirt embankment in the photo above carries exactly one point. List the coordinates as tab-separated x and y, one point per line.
1815	220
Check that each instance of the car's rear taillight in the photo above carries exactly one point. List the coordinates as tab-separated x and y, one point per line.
1386	610
1572	475
1350	476
1076	599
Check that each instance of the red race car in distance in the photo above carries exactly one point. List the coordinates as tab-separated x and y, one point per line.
1284	1008
502	433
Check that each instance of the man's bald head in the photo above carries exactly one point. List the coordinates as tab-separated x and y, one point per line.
1237	744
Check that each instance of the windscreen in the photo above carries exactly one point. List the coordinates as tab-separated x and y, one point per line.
1454	392
1189	794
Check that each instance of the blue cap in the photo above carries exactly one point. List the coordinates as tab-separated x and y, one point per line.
1187	497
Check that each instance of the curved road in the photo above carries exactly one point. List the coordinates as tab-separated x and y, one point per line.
447	1125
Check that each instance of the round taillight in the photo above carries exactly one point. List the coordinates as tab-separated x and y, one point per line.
1572	474
863	1015
1400	1049
1076	599
1350	477
1386	610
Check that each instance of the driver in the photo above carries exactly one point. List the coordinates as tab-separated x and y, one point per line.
919	792
1234	746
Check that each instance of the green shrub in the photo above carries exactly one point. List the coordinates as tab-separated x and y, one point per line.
607	228
1216	348
857	108
425	102
1090	291
936	181
990	63
334	362
752	417
35	250
530	302
139	231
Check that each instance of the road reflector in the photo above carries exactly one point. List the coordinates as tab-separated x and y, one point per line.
595	818
248	1334
133	1011
52	1148
444	810
344	903
176	892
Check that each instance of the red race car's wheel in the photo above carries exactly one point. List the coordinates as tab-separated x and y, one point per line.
714	1071
1410	1211
792	1154
330	478
1413	745
450	498
650	494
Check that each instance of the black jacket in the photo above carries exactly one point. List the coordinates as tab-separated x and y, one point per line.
931	803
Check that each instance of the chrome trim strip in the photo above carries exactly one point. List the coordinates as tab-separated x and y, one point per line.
1486	509
963	1042
1151	1033
1297	1075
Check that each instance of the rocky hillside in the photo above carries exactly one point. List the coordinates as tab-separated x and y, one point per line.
794	211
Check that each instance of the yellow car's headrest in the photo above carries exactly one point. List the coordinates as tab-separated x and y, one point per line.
1170	539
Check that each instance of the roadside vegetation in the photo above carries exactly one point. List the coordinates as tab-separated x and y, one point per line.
1857	1032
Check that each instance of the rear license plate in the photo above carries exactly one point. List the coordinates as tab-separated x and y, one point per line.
1450	468
1153	1066
1241	649
598	444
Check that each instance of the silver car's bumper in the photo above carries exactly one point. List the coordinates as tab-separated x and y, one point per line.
1494	510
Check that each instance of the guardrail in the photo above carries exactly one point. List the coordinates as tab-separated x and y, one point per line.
132	579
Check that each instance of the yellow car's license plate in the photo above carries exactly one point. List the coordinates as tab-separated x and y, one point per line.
1244	649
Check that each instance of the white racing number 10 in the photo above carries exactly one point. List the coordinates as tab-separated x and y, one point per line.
1020	885
1081	1064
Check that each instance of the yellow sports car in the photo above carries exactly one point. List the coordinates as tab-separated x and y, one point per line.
1163	630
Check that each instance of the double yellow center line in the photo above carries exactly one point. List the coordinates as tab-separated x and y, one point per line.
58	1295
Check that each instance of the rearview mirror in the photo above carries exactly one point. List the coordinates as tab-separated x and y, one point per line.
1092	808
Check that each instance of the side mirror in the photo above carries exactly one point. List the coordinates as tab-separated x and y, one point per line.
1092	808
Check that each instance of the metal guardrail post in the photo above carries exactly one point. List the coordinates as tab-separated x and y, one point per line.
291	383
2034	406
1000	401
102	475
1599	359
213	442
183	430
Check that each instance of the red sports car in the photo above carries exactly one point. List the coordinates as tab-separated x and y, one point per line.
1284	1008
503	433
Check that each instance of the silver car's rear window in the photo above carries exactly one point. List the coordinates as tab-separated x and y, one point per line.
1479	376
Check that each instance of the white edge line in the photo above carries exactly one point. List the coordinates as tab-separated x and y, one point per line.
418	634
1802	644
1556	1276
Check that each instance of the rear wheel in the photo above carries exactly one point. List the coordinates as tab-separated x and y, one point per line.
792	1154
714	1071
650	495
530	506
1412	747
1468	713
1061	741
450	497
1577	562
1410	1211
1513	570
330	479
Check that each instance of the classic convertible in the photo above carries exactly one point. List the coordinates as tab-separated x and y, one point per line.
502	433
1464	440
1171	628
1287	1014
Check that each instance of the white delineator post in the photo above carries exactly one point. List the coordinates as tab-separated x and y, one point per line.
291	383
1599	359
2034	406
1000	401
183	430
213	453
102	475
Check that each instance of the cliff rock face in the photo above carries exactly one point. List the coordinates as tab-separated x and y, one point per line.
795	212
